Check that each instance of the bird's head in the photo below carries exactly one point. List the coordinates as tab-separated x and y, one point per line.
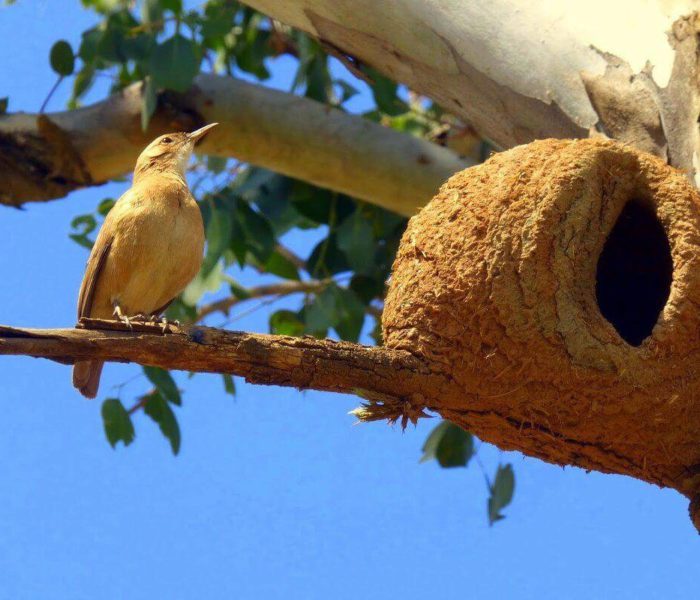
170	152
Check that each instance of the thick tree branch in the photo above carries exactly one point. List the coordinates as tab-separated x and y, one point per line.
47	156
395	382
523	71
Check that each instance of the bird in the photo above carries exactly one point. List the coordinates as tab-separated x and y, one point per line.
150	245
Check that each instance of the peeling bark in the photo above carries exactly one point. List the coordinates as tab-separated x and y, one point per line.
520	71
47	156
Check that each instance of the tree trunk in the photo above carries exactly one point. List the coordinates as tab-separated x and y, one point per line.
520	71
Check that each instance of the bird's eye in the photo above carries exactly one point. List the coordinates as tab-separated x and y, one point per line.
166	140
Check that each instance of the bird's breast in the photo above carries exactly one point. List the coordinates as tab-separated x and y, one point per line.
157	250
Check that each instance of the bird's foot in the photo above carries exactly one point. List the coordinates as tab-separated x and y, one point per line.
142	318
165	323
122	317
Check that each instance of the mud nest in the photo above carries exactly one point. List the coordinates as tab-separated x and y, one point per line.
558	286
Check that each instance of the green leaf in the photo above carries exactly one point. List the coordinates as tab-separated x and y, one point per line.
87	221
105	206
149	102
286	322
239	291
173	5
385	93
260	238
319	204
174	63
216	21
449	444
229	384
102	6
151	11
376	333
82	82
216	164
62	58
367	288
281	266
347	91
219	230
109	43
349	314
117	422
88	45
251	51
179	311
82	240
159	410
320	314
165	384
501	492
137	47
202	284
356	239
327	259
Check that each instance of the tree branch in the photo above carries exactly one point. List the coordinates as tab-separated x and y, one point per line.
283	288
47	156
524	73
394	382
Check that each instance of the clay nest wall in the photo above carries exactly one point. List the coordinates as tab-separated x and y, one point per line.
557	286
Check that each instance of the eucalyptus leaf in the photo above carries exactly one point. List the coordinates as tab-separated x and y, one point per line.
159	410
62	58
449	444
149	102
164	383
229	384
502	490
286	322
117	423
356	240
174	63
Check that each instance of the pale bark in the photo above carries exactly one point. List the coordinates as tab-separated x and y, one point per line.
520	70
47	156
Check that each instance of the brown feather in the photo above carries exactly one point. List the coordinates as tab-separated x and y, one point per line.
86	374
95	263
149	247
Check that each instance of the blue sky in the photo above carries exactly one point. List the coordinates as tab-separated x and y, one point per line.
275	493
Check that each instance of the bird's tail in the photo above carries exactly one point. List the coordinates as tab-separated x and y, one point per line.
86	377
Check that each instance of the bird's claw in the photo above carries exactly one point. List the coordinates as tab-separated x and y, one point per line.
122	317
165	324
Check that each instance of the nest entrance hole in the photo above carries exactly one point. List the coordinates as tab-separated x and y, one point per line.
635	271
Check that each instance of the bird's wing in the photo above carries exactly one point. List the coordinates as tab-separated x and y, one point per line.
97	259
100	252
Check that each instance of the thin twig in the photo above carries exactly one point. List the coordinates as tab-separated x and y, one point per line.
297	261
51	93
284	288
483	470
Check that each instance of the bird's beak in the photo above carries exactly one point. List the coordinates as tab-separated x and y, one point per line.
197	135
